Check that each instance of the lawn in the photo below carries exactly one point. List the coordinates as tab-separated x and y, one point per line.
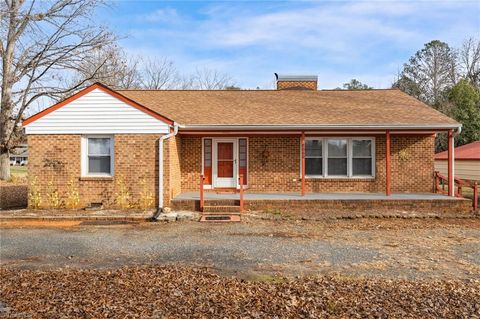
365	268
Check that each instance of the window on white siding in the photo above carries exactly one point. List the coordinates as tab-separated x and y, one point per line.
339	157
98	156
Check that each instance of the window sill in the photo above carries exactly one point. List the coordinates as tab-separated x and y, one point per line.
96	178
340	178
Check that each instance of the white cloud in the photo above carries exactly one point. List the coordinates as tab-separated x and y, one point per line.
367	40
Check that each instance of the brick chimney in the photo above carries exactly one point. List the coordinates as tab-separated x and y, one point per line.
296	82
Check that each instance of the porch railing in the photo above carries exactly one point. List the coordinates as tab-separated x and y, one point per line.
441	181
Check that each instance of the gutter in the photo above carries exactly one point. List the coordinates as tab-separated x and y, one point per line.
313	127
160	169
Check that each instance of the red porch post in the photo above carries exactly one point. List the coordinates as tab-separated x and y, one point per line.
388	177
303	163
451	184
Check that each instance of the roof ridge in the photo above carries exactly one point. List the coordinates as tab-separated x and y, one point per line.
253	90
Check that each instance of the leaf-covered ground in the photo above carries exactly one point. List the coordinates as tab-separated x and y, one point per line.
180	292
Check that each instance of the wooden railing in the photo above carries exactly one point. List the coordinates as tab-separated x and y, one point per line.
441	181
202	198
240	180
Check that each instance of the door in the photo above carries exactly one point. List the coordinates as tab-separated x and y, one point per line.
225	164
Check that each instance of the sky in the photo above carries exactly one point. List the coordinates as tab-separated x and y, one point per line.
251	40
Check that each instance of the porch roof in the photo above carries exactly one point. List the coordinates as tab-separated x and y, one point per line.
198	109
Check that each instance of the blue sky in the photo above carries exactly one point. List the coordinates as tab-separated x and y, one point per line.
250	40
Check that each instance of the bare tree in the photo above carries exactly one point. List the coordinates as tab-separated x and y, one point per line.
117	71
430	72
206	79
469	57
43	43
158	74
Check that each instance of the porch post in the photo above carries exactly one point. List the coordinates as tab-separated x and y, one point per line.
388	177
303	163
451	183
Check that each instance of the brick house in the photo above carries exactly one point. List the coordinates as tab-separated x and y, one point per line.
296	140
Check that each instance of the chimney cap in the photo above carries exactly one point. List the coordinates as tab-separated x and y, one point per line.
281	77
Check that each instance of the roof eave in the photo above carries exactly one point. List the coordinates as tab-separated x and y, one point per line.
214	127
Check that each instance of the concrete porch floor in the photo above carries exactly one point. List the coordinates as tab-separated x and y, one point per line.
312	196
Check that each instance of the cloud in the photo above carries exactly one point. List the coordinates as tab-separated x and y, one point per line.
367	40
167	15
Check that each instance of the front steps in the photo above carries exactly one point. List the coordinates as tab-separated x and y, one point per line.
221	211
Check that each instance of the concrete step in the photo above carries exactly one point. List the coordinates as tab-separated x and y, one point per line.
222	209
220	217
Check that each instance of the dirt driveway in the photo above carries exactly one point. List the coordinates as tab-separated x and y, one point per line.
392	248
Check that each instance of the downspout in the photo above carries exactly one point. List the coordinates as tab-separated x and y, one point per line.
160	168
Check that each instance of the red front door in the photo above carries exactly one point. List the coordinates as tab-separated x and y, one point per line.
225	159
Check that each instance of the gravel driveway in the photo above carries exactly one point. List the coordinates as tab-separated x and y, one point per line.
368	247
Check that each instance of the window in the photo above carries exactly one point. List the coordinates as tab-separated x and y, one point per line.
339	157
313	158
242	157
98	156
207	160
362	157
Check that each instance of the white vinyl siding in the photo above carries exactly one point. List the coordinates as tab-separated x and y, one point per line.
97	112
339	157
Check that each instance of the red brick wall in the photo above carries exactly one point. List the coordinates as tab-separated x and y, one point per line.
298	85
57	157
274	166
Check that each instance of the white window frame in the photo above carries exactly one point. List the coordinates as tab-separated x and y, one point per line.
349	175
84	156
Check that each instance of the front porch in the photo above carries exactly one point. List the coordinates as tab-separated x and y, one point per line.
318	203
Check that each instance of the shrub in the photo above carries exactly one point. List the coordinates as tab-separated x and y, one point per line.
122	197
34	196
146	197
52	195
72	200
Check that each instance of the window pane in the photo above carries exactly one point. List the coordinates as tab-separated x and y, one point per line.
99	164
337	148
243	142
99	146
243	163
313	166
362	148
208	163
337	166
362	166
313	148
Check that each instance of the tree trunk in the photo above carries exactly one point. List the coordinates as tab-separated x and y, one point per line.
4	165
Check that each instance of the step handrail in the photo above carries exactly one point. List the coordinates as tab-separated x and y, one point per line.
202	198
240	180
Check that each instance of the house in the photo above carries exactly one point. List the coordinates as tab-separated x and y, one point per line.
467	161
19	155
295	145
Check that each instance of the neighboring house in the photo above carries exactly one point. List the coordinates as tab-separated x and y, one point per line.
294	140
19	155
467	161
